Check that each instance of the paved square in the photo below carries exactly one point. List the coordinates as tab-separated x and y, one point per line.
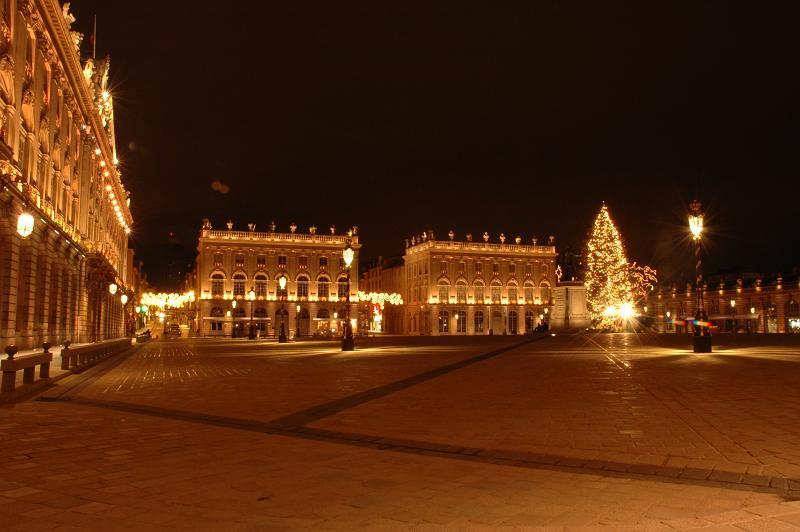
566	431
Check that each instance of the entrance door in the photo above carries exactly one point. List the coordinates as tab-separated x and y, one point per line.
497	322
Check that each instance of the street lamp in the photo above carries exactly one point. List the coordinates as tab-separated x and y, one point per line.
297	320
282	285
233	324
702	335
348	342
25	224
733	316
112	288
251	295
124	299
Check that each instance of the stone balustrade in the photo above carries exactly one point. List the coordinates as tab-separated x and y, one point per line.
77	357
27	364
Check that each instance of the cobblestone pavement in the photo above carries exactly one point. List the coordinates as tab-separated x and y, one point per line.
565	432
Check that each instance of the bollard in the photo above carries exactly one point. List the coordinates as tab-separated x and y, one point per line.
65	355
9	377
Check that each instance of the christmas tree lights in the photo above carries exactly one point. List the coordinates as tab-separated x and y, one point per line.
613	285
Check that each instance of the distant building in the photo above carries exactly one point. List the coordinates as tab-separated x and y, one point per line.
386	276
476	286
744	303
64	216
230	263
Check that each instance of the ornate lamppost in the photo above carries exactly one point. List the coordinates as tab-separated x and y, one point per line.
233	320
251	295
282	286
733	316
348	342
702	334
297	321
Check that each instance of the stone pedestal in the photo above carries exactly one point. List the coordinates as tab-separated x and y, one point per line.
569	309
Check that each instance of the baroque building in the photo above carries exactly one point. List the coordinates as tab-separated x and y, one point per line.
745	303
477	286
237	276
64	213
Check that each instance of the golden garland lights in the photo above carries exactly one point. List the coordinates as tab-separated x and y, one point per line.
613	285
380	298
163	300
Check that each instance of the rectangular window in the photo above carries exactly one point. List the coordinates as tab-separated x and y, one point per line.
479	294
443	267
218	260
461	293
217	287
478	267
462	267
529	294
512	269
303	261
261	261
282	261
444	294
216	326
512	294
529	269
239	260
323	262
496	293
496	267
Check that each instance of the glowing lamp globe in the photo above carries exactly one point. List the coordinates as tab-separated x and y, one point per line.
251	295
112	288
282	282
233	304
123	298
25	224
348	255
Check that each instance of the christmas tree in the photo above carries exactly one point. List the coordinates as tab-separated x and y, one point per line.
612	284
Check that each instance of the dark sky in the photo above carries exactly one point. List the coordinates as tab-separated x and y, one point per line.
475	116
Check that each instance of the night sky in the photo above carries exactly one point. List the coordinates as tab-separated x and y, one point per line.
482	116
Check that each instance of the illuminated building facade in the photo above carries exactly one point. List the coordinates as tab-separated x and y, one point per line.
64	214
238	281
476	286
743	304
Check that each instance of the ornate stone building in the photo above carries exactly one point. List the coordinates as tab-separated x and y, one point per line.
477	287
237	281
64	213
735	304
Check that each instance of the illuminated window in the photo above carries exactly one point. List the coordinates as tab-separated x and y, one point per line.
342	288
478	292
496	289
444	321
528	293
217	285
261	285
323	287
239	280
444	293
461	322
302	286
461	291
478	268
512	293
478	321
544	293
512	322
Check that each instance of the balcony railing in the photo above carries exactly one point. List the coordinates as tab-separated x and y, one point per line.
481	246
278	237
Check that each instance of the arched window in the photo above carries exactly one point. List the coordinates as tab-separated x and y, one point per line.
302	286
323	287
512	322
239	280
342	287
239	312
444	321
544	292
478	321
497	290
478	290
261	285
260	312
512	293
461	321
528	292
217	285
216	312
461	291
792	313
530	321
444	291
323	314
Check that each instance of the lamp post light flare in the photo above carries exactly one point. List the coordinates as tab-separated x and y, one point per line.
702	335
282	286
251	295
348	342
25	224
